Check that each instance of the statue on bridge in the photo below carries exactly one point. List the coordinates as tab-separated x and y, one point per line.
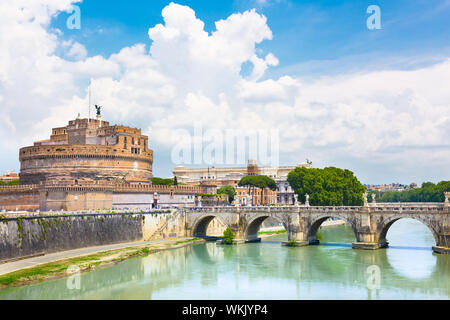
447	199
307	200
366	201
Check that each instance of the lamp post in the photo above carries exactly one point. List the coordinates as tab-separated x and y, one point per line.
155	200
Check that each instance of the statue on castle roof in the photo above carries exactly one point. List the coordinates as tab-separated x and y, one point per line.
99	109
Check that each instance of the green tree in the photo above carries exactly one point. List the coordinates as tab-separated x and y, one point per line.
162	182
175	181
229	190
258	182
9	183
429	192
228	236
327	187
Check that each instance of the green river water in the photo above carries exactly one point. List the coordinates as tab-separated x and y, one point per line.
333	270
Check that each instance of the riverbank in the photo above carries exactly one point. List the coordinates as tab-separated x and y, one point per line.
59	268
268	232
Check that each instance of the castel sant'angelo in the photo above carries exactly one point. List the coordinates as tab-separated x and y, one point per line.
90	165
88	149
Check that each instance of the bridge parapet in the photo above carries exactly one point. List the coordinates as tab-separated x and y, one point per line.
242	209
381	207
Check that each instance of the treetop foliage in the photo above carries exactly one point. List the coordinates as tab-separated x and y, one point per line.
327	187
10	183
163	182
429	192
258	181
229	190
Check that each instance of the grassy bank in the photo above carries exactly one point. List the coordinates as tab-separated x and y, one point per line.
272	232
275	232
58	269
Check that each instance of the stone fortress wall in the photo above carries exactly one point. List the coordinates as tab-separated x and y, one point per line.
91	196
19	198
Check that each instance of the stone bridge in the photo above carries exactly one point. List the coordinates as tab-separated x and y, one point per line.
370	223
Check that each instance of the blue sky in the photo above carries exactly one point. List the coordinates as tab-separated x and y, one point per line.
374	101
305	32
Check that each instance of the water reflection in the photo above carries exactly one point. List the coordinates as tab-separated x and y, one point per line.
264	271
400	236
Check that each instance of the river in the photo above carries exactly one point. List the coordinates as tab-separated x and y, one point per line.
408	269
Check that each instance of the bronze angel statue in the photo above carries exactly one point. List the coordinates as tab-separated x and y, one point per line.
98	108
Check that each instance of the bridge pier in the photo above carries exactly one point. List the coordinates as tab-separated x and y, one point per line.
295	234
366	246
441	250
443	243
369	241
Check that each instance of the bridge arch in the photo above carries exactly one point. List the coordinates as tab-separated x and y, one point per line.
253	226
200	226
389	222
318	221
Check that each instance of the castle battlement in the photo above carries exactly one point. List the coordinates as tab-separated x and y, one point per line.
80	151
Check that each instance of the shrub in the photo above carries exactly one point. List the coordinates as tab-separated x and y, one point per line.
228	236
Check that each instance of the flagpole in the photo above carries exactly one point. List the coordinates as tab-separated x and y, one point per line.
89	119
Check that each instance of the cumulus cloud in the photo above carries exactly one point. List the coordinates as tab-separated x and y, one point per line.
188	75
77	51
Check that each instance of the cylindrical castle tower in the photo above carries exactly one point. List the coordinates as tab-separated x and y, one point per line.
88	149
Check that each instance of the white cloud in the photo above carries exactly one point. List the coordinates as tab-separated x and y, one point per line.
189	75
77	51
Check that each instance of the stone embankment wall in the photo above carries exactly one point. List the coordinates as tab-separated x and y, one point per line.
23	235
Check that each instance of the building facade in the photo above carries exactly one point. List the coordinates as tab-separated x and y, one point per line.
285	193
256	197
10	176
231	176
